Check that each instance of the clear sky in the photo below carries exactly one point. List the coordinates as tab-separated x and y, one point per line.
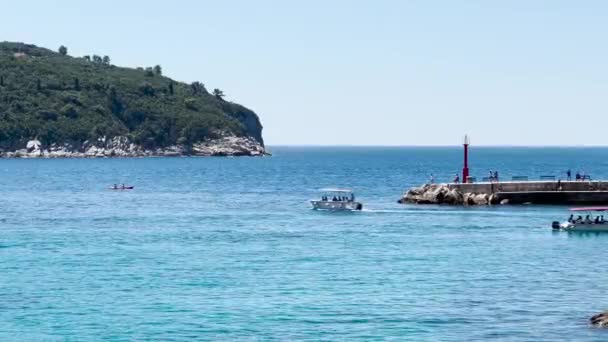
354	72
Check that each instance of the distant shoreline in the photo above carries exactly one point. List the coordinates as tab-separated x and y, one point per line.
122	147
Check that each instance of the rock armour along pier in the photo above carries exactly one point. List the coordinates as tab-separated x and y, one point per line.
533	192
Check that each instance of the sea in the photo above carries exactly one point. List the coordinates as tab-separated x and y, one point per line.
229	249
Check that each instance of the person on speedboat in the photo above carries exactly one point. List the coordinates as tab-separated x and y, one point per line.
571	218
587	220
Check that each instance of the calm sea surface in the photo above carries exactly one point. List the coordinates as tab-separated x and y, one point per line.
228	249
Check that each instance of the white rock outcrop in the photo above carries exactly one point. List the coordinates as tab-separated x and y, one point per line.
123	147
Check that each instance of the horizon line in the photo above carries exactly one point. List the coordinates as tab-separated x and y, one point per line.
483	146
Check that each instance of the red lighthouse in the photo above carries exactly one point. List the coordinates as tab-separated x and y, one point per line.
465	169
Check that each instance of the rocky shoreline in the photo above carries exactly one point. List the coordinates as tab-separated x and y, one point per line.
227	146
442	194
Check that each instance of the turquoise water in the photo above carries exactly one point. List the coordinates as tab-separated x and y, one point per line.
228	249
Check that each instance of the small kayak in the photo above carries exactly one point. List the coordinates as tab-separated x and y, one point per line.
122	188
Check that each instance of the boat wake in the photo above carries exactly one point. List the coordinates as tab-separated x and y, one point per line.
382	211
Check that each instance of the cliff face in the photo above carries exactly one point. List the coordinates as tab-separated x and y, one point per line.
70	104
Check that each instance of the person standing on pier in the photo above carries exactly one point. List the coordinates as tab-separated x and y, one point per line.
569	175
456	179
496	176
432	179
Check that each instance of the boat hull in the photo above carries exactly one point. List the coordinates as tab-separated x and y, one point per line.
582	227
336	205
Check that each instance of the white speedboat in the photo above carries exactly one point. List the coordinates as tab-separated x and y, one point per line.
589	223
337	200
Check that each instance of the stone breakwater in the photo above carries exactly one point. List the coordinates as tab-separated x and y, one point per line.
123	147
442	194
511	192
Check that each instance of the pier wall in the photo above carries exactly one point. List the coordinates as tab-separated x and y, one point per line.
541	192
513	192
555	197
529	186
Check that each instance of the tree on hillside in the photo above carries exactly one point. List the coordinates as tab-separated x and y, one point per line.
97	59
158	70
87	57
171	90
1	81
76	83
115	104
197	87
218	94
106	60
149	72
190	103
146	89
63	50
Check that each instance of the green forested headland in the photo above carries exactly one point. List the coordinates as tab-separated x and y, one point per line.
56	98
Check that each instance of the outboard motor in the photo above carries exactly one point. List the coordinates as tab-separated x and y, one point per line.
555	225
359	206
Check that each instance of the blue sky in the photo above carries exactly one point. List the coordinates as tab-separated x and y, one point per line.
362	72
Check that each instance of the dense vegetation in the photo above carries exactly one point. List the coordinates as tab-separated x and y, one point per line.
57	98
